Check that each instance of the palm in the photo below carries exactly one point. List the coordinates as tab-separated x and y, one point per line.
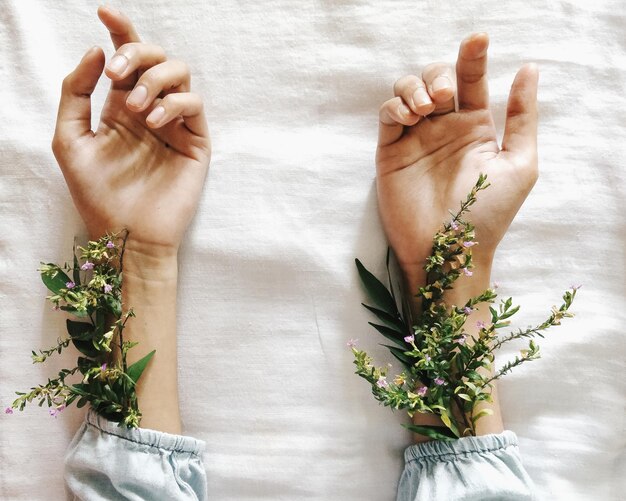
131	176
447	153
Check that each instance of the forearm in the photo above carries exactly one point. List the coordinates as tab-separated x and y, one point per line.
149	287
464	288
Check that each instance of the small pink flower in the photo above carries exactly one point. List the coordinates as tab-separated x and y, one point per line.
56	307
351	343
575	287
87	266
480	324
469	243
8	410
107	288
409	339
467	310
110	245
382	382
454	225
103	367
496	285
439	381
461	340
70	284
467	273
422	391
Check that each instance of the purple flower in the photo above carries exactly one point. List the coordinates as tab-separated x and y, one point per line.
496	285
468	273
422	391
55	412
87	266
103	367
439	381
107	288
454	225
461	340
575	287
70	284
8	410
467	310
110	245
427	358
409	339
382	382
351	343
469	243
480	324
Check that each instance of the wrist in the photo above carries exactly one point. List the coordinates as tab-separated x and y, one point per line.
144	265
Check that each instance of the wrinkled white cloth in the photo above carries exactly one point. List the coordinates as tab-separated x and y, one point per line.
269	293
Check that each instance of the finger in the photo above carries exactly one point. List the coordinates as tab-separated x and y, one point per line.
520	130
393	116
120	27
471	72
74	116
441	86
131	57
187	105
413	91
160	78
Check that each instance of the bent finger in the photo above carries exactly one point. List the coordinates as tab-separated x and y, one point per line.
131	57
163	77
413	91
120	27
441	86
393	116
187	105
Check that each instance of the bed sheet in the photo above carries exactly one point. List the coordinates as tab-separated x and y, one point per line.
268	289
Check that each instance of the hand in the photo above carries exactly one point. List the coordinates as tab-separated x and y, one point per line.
144	167
429	156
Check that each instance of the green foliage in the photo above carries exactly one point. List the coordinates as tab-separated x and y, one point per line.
446	372
94	294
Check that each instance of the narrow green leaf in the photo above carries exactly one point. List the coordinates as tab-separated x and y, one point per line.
55	280
434	432
136	370
76	269
85	347
377	291
447	420
386	317
389	275
391	334
74	311
484	412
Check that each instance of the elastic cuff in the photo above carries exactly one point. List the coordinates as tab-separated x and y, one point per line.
440	450
147	437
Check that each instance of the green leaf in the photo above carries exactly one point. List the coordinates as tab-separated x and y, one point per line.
484	412
76	269
74	311
391	334
80	330
55	280
86	347
386	317
447	420
136	370
376	290
434	432
464	396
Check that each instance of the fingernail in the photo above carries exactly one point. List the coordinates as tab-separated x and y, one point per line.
441	83
421	97
138	96
156	115
403	110
117	64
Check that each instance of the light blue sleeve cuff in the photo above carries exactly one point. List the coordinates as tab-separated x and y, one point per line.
107	462
485	468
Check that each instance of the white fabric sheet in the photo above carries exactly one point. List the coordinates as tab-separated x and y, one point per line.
268	289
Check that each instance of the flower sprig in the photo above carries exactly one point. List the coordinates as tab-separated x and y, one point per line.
446	372
94	296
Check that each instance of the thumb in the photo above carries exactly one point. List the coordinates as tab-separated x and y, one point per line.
520	131
74	117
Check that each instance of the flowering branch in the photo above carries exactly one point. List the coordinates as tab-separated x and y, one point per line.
444	374
93	295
